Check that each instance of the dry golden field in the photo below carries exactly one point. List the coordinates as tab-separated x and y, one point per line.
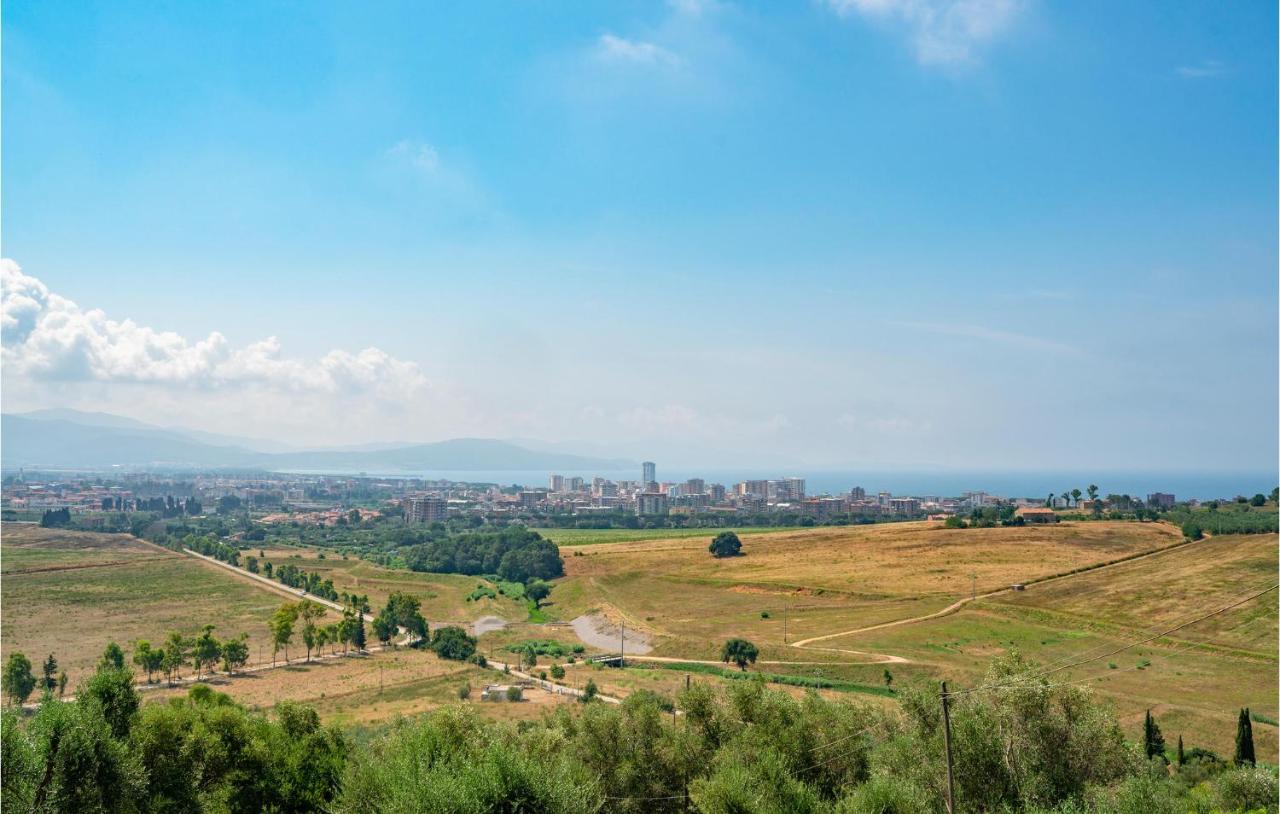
825	579
828	580
70	593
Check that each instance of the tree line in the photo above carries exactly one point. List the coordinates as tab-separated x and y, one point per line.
514	553
1028	746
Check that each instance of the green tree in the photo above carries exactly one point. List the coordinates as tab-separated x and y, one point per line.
888	677
725	544
358	640
281	626
384	628
148	658
111	692
557	672
112	657
452	642
589	692
1093	491
310	638
1244	740
235	653
49	674
739	651
1258	500
537	590
1152	740
404	611
1075	496
1182	755
18	682
177	652
81	766
205	650
62	683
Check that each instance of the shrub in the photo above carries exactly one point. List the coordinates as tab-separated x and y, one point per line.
464	692
1247	789
515	694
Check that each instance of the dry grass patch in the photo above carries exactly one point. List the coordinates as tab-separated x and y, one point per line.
73	612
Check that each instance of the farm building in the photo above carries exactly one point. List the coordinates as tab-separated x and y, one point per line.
1031	514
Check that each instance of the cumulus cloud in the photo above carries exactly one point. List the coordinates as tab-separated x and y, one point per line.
942	32
613	48
49	337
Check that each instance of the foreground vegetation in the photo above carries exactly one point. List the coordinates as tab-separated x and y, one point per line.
1021	744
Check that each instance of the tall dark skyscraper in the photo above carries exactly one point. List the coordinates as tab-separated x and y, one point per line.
650	472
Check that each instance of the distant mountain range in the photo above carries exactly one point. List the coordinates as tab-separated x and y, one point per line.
70	439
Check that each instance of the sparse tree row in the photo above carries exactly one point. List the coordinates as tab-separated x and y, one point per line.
1025	745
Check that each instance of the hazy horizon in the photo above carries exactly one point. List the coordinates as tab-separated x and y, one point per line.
1002	235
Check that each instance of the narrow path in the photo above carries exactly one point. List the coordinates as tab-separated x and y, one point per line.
955	606
272	584
502	667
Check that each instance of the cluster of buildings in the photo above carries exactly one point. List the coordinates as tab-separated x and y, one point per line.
325	500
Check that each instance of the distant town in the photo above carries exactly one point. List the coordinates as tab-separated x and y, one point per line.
333	500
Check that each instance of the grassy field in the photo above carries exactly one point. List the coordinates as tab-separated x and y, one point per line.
369	690
830	579
443	596
577	537
69	593
816	581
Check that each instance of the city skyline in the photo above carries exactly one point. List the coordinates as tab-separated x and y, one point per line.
826	235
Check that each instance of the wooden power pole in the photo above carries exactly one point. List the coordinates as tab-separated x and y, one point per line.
946	741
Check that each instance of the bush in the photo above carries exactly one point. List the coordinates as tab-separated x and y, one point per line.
515	694
464	692
452	642
557	672
1247	789
725	544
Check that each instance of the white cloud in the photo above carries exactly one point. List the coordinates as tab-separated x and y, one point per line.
49	337
1033	343
1207	69
883	425
612	48
417	154
942	32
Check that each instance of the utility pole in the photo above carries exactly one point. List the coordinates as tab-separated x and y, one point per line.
784	622
973	592
946	740
622	657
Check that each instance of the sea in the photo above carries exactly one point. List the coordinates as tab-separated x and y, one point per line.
1183	485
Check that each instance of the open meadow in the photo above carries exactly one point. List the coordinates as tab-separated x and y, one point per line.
443	596
577	537
821	582
69	593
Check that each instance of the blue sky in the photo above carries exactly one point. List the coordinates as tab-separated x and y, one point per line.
979	234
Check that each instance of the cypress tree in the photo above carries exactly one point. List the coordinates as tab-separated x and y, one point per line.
1244	739
359	637
1182	758
1152	740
